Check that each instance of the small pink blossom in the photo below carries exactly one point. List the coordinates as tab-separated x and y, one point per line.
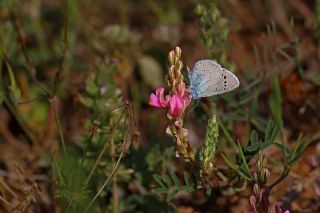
158	100
175	103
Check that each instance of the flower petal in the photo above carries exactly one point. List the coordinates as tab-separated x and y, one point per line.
181	89
160	94
154	100
176	105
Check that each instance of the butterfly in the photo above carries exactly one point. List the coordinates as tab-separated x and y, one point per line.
208	78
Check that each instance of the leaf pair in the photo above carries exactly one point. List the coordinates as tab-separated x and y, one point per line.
171	185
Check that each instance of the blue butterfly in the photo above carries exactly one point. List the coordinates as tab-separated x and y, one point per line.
208	78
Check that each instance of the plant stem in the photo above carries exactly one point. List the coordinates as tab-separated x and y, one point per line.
114	180
55	112
282	177
106	182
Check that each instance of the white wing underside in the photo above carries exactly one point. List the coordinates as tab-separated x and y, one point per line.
208	71
208	78
224	85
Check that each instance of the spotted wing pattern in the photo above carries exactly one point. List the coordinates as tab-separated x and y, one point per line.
208	78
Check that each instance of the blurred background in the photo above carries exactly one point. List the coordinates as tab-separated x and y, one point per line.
63	64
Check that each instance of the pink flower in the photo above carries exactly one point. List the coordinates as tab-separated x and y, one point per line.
176	105
158	100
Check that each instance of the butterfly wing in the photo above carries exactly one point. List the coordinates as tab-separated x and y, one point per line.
208	78
204	73
227	83
209	71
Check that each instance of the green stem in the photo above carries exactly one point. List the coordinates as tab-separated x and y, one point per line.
284	174
55	112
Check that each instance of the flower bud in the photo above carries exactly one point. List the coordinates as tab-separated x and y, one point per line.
259	165
171	71
180	65
172	57
178	53
256	189
253	202
264	162
265	174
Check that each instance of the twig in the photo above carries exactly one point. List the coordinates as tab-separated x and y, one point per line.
6	202
55	112
13	175
32	100
106	182
57	77
282	177
114	180
8	188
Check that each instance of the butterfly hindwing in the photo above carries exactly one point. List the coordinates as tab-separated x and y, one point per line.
228	83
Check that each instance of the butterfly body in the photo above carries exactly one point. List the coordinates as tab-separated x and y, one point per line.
208	78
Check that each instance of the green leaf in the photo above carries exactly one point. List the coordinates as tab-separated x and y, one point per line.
234	168
275	102
16	93
186	177
244	161
161	190
269	130
253	148
274	133
266	144
171	195
254	137
175	179
166	179
87	101
285	149
185	188
301	147
159	180
92	87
